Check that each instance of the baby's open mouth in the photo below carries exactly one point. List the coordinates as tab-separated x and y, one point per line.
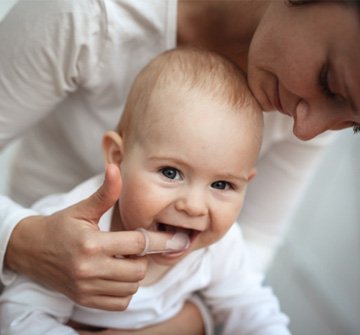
164	227
178	242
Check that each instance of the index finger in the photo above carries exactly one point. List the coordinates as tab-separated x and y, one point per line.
141	242
154	242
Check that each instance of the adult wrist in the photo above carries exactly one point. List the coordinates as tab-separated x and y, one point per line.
11	214
24	244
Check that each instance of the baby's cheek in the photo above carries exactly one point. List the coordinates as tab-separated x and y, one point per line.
215	234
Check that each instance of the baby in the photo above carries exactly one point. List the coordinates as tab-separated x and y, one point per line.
186	147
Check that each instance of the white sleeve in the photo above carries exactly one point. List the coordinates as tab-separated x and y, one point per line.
48	49
236	298
284	171
10	214
27	308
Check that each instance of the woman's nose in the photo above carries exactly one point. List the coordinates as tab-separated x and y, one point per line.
312	120
192	202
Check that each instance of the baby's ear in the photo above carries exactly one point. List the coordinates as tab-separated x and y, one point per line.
252	174
113	147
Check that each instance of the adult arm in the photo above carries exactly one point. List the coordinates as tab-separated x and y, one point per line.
48	49
44	56
42	60
284	171
10	215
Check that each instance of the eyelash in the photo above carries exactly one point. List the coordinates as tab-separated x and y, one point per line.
167	168
228	186
178	174
356	128
327	91
323	82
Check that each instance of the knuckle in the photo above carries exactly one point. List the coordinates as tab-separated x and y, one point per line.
139	241
90	246
79	297
81	270
86	302
80	289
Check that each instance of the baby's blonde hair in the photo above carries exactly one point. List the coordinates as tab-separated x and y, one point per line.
188	69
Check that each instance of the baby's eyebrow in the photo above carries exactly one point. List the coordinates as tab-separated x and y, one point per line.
230	176
167	158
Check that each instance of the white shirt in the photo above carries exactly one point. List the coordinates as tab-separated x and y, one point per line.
221	273
65	69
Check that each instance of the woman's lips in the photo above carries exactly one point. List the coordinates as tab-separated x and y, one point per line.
277	101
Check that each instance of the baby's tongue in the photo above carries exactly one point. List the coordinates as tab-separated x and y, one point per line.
172	229
179	239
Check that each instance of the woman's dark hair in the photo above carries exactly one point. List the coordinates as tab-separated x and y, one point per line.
307	2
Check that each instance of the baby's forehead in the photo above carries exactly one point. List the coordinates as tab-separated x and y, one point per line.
178	106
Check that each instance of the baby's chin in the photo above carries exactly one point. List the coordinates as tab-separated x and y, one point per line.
172	258
169	258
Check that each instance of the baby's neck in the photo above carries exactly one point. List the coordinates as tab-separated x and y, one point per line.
154	273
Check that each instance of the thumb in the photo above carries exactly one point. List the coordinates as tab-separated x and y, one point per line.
92	208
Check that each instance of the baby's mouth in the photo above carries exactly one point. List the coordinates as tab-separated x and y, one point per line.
179	233
164	227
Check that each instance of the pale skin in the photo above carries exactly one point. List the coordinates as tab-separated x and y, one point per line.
166	186
289	82
165	181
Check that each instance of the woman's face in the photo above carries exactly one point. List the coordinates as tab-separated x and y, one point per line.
305	62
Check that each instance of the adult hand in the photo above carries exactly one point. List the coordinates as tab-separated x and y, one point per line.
67	252
188	321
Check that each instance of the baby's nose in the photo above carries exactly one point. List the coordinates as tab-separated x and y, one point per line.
193	203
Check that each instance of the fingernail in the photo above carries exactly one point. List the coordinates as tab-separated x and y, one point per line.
180	241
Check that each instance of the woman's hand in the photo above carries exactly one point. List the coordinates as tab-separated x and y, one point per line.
67	252
188	321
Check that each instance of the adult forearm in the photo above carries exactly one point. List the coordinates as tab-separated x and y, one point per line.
10	215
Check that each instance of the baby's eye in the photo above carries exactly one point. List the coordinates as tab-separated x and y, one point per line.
171	173
221	185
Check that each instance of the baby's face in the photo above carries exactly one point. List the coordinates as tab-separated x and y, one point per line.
190	173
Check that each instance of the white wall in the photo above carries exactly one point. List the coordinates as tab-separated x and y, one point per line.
316	274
